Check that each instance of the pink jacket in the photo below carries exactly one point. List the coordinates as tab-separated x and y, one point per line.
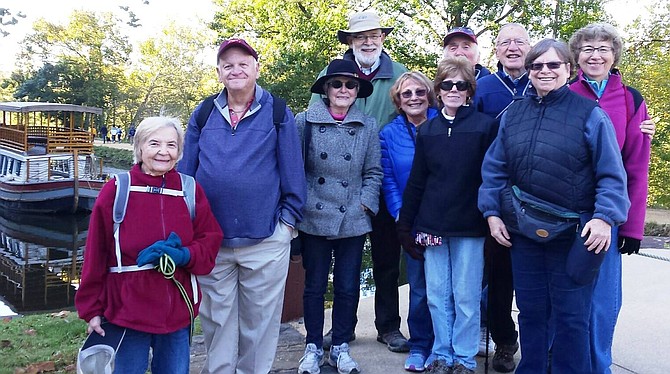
619	103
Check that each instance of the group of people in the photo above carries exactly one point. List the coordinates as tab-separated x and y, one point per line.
115	134
442	169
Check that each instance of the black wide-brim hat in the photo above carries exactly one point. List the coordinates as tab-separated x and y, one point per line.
344	68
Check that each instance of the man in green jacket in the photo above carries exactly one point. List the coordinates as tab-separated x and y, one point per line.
365	38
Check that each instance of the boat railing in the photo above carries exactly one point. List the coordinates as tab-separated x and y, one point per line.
51	139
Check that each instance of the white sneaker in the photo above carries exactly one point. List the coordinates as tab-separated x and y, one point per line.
339	357
312	360
482	342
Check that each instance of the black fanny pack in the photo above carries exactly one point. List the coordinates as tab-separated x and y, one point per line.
535	218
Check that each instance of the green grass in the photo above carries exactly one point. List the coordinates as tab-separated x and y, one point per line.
32	339
117	158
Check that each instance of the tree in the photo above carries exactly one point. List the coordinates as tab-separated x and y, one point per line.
645	67
298	38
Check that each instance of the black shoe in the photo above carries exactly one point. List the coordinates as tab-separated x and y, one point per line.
328	339
503	359
394	340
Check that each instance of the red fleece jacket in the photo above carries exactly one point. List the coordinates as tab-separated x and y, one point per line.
145	300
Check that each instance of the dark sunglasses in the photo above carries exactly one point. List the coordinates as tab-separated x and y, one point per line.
460	85
550	65
337	84
408	94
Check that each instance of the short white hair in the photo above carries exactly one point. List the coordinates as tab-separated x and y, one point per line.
148	126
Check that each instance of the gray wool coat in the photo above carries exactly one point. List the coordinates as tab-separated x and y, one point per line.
343	172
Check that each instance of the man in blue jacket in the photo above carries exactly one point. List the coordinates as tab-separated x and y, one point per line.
253	175
494	94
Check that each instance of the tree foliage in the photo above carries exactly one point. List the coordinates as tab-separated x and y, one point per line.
646	68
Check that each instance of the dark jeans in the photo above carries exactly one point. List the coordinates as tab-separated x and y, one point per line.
385	270
498	273
317	256
544	290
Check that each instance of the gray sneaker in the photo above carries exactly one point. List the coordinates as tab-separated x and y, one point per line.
312	360
339	357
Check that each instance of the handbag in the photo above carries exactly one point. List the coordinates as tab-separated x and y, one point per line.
540	220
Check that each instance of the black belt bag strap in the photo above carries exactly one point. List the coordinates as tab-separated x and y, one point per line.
541	220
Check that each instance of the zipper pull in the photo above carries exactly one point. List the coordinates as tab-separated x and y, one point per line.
449	133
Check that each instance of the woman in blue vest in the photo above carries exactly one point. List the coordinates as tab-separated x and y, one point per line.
557	148
414	99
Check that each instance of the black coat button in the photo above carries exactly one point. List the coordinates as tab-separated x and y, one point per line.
343	209
347	157
322	129
352	132
345	184
322	180
319	206
324	155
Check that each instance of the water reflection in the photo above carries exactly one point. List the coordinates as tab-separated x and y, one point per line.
40	260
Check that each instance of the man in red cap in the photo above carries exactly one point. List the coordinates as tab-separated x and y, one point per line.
252	172
462	41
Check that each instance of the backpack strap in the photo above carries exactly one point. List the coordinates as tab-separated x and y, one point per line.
205	109
123	189
637	101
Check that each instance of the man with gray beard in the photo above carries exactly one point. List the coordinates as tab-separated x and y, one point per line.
365	38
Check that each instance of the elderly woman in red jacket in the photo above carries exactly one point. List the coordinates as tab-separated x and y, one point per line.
123	284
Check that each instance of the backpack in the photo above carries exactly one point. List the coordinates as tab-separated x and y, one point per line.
278	110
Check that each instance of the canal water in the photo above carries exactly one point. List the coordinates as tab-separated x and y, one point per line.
41	258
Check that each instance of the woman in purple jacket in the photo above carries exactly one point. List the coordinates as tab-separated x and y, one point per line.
415	102
597	49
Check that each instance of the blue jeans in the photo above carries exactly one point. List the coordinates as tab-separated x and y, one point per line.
418	320
544	289
454	284
605	308
317	255
171	353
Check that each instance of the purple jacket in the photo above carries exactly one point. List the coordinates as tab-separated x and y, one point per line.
619	103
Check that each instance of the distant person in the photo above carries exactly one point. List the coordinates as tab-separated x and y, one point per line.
120	284
462	41
341	148
113	132
414	98
253	175
131	134
103	134
576	174
597	49
365	38
439	216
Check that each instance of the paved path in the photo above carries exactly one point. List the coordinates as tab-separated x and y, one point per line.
642	334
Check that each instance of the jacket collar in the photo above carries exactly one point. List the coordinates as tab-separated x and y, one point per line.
317	112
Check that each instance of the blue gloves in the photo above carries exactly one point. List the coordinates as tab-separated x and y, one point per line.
171	246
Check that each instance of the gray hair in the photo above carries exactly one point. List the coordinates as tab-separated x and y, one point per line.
545	45
148	126
597	32
513	24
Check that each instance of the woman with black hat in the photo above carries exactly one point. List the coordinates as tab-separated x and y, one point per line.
343	171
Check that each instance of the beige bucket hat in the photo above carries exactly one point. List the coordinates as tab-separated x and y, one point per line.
360	22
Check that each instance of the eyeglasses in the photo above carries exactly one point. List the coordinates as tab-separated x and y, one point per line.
363	38
408	94
337	84
460	85
550	65
591	50
507	42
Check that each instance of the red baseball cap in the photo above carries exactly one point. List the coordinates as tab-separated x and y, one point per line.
234	42
459	31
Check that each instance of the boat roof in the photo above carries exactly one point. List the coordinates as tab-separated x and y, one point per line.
31	106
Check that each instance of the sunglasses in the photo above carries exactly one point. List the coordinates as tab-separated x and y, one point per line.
408	94
550	65
460	85
337	84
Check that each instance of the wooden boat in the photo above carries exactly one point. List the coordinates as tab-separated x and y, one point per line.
47	163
